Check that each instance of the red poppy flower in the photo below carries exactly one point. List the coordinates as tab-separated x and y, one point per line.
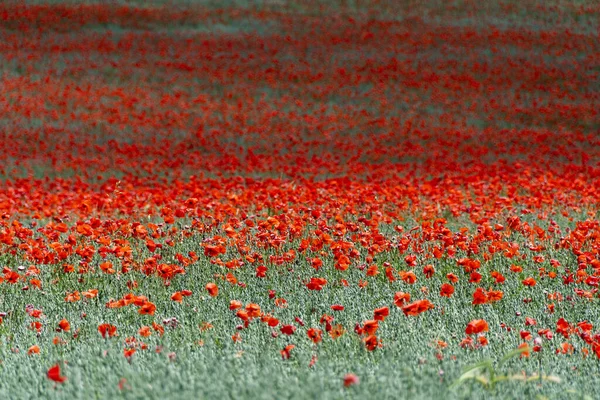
212	289
54	374
381	313
288	329
371	342
147	308
315	334
400	298
446	290
350	379
285	353
64	325
417	307
477	326
107	330
370	327
529	282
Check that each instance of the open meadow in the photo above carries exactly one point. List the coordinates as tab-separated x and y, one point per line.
300	199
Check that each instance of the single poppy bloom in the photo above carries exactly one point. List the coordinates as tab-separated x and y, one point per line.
261	271
128	353
370	327
525	350
253	310
400	298
389	273
316	283
417	307
494	295
498	277
177	296
58	340
350	379
107	330
475	277
526	335
90	294
563	327
72	297
529	282
446	290
316	263
408	277
35	349
36	325
372	270
54	374
371	342
359	329
281	303
428	271
145	331
530	321
479	296
212	289
516	268
243	315
107	267
466	342
288	329
64	325
477	326
337	307
285	353
336	331
147	308
158	328
235	304
381	313
315	334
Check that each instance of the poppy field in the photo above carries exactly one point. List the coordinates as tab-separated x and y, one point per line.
300	199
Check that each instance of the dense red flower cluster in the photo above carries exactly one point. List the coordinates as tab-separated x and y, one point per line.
273	150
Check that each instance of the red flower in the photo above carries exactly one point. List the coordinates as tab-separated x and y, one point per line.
446	290
480	296
64	325
477	326
285	353
315	334
288	329
350	379
529	282
212	289
417	307
381	313
54	374
147	308
400	298
371	342
107	330
370	327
